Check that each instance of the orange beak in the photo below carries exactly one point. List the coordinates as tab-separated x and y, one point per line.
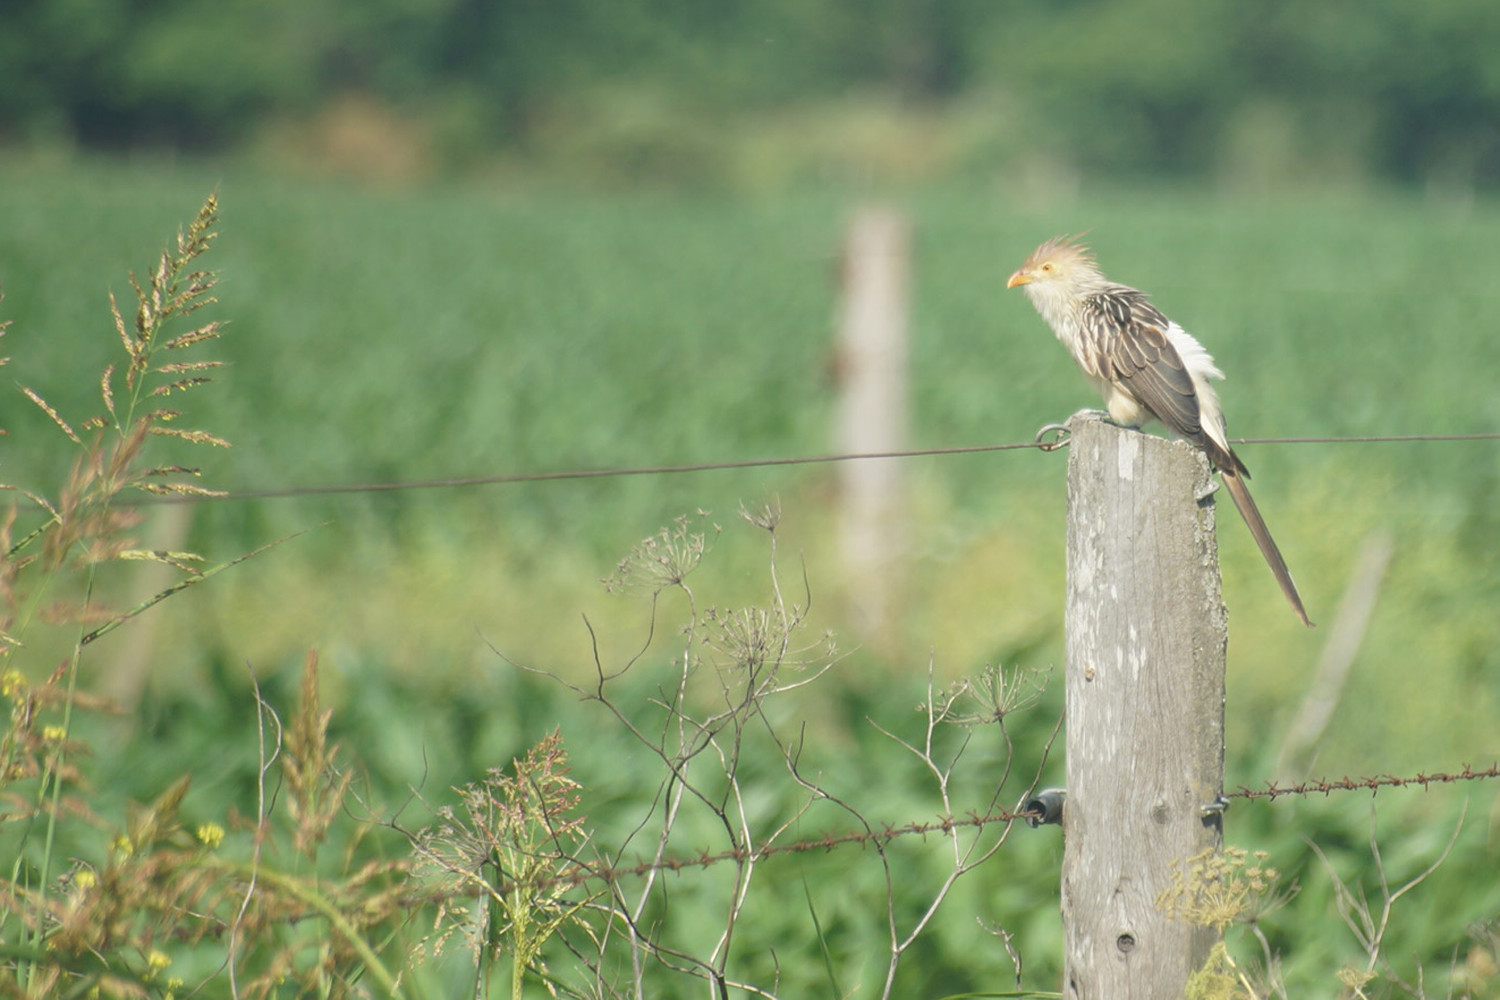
1021	277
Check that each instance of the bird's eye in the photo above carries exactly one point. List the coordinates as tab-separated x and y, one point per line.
1047	267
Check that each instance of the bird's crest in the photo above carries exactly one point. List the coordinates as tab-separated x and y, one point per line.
1064	249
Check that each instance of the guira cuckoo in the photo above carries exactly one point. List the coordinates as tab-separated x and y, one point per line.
1146	367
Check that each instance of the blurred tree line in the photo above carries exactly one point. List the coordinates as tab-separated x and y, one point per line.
1272	89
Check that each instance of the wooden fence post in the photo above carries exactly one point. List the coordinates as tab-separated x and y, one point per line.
1146	640
870	365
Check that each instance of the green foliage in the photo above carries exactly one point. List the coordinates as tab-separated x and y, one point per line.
149	898
1260	94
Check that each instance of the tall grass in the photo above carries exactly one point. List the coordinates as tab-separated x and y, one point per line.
85	919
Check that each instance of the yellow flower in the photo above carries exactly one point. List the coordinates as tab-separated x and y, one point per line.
84	879
122	845
54	734
12	683
210	835
157	961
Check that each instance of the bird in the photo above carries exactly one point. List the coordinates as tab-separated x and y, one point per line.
1146	367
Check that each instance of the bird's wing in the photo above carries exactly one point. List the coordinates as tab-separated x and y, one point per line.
1129	345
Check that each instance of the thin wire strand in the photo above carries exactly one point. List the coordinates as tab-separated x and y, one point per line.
752	463
1370	439
541	477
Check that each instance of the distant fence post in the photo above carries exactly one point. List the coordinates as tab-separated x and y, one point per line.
871	370
1146	639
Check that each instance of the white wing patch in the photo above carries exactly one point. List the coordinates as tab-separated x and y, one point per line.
1201	368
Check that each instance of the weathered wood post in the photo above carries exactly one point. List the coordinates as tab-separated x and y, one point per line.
1146	645
871	368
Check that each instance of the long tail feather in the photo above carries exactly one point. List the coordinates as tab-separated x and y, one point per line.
1240	493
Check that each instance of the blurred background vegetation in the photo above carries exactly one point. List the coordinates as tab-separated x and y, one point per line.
1257	95
476	237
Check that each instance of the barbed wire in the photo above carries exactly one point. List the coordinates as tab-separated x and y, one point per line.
586	872
1327	786
750	463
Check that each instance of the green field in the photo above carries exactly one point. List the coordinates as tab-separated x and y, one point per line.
396	336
